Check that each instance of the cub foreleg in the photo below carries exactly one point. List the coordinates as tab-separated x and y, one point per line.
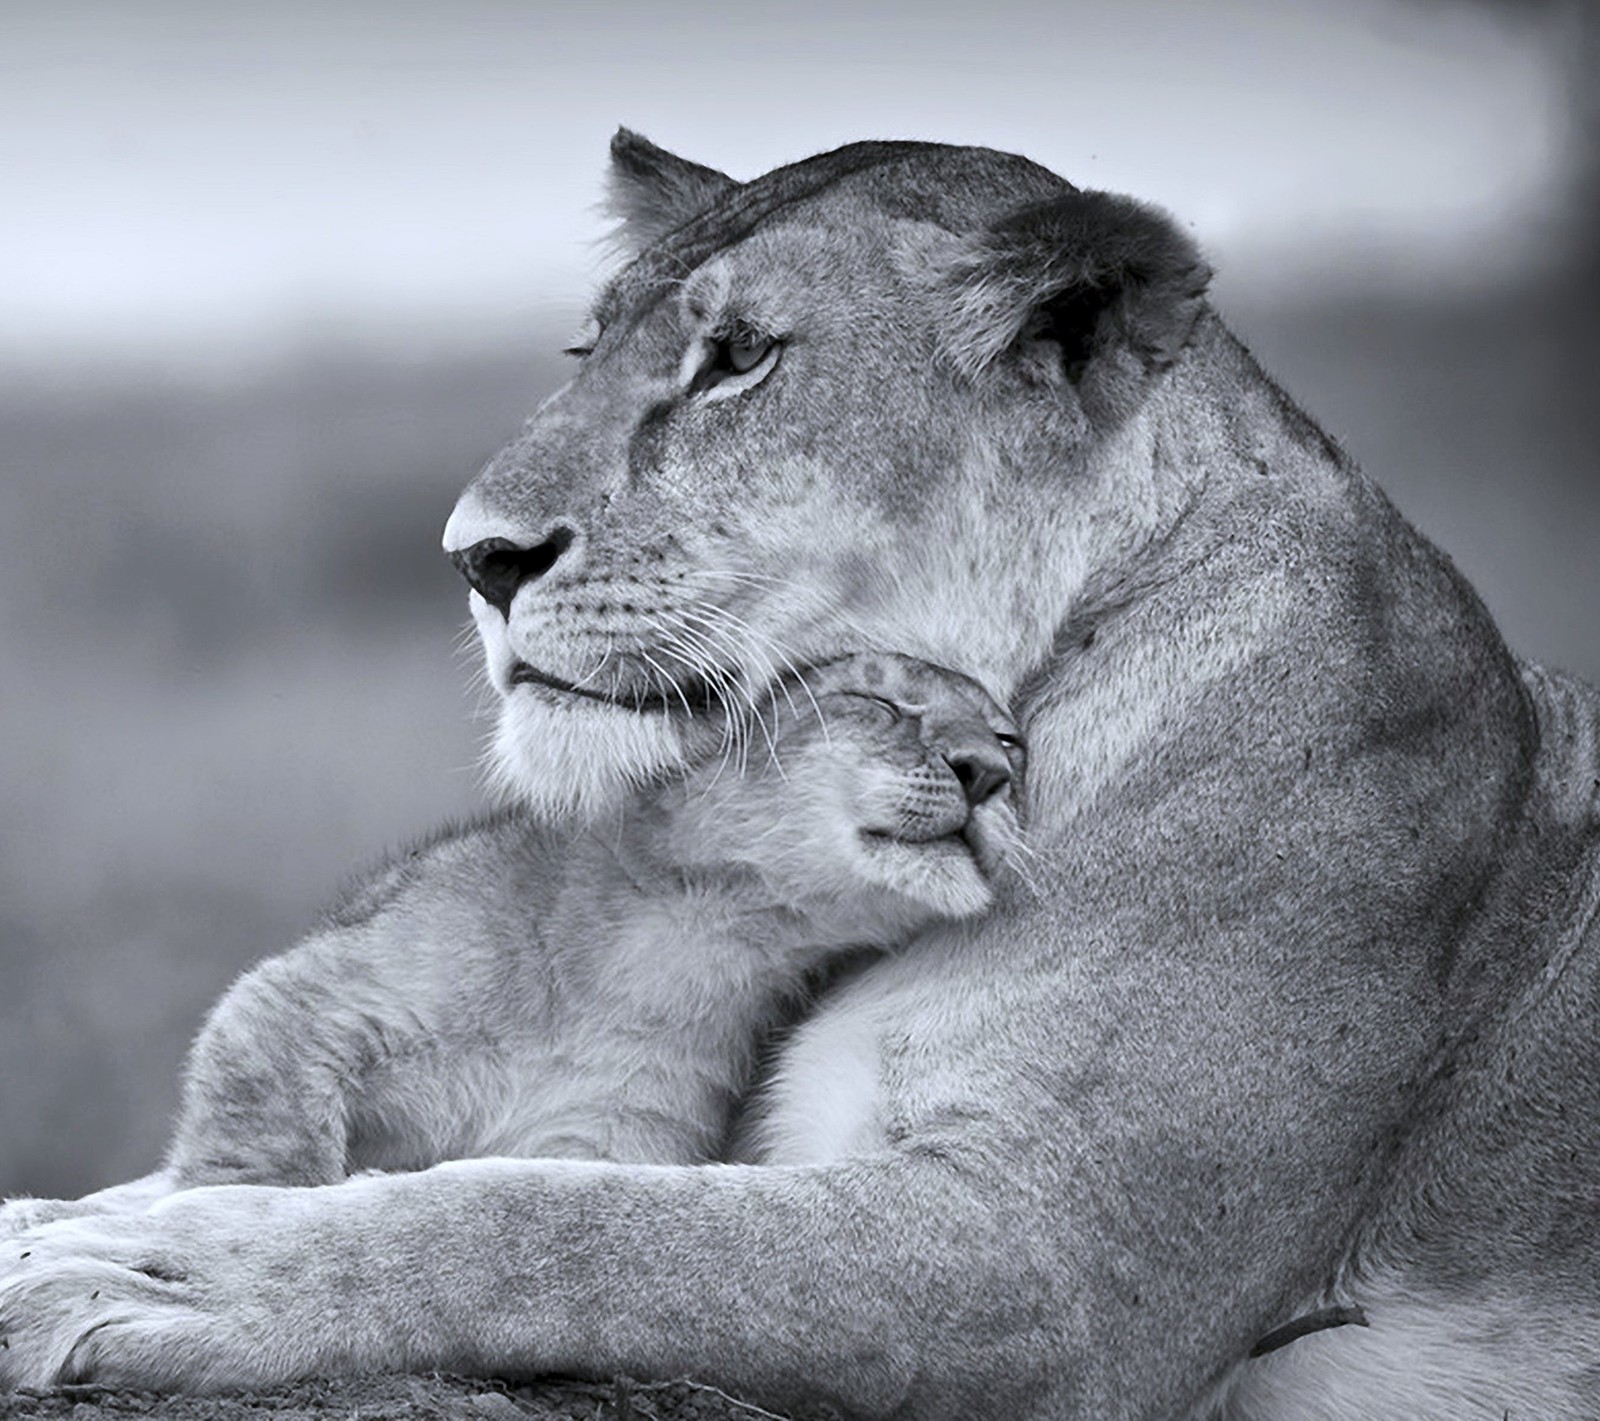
266	1088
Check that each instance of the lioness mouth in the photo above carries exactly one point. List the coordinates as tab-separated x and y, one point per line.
522	674
693	699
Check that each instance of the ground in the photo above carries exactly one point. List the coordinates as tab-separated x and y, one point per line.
436	1398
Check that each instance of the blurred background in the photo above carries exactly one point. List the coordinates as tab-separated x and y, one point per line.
275	280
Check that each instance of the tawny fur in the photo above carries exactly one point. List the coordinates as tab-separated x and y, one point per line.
1302	1011
610	1002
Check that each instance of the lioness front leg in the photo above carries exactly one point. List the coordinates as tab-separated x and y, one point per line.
1005	1237
731	1273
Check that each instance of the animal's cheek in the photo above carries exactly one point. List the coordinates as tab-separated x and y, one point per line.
877	800
922	803
995	836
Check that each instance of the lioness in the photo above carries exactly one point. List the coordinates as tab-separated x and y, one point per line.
1300	1028
607	1002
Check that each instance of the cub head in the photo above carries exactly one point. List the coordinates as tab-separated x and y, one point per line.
890	398
883	793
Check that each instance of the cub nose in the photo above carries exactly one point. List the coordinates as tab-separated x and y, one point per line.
496	567
982	769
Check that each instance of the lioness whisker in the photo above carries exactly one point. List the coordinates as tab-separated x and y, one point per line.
810	596
665	683
706	668
714	638
693	652
766	648
605	657
716	683
755	640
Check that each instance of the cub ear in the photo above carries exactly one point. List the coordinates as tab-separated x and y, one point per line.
1091	290
651	191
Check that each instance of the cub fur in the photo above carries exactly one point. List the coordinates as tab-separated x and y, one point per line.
614	1008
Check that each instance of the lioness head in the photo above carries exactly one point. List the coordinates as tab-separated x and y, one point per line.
888	398
882	793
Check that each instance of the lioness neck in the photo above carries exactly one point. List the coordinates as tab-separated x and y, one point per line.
1288	617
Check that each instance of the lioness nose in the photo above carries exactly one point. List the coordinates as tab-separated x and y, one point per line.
982	769
497	567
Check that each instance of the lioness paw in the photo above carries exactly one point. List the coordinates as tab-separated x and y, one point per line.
21	1214
67	1288
161	1301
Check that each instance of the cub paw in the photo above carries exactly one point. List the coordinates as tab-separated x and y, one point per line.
18	1215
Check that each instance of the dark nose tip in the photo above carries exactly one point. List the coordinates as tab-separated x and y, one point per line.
982	769
497	567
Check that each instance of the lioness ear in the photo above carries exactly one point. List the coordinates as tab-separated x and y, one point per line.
652	191
1091	289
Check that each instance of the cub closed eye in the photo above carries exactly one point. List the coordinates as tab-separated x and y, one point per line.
885	709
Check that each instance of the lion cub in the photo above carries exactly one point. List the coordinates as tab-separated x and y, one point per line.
436	1019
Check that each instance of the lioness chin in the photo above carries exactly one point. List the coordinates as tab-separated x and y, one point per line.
1300	1025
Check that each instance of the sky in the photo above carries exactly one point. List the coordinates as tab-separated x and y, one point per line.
220	175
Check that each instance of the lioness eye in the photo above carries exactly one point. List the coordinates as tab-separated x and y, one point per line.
744	355
585	340
731	364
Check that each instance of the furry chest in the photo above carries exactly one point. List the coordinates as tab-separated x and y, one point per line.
822	1099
